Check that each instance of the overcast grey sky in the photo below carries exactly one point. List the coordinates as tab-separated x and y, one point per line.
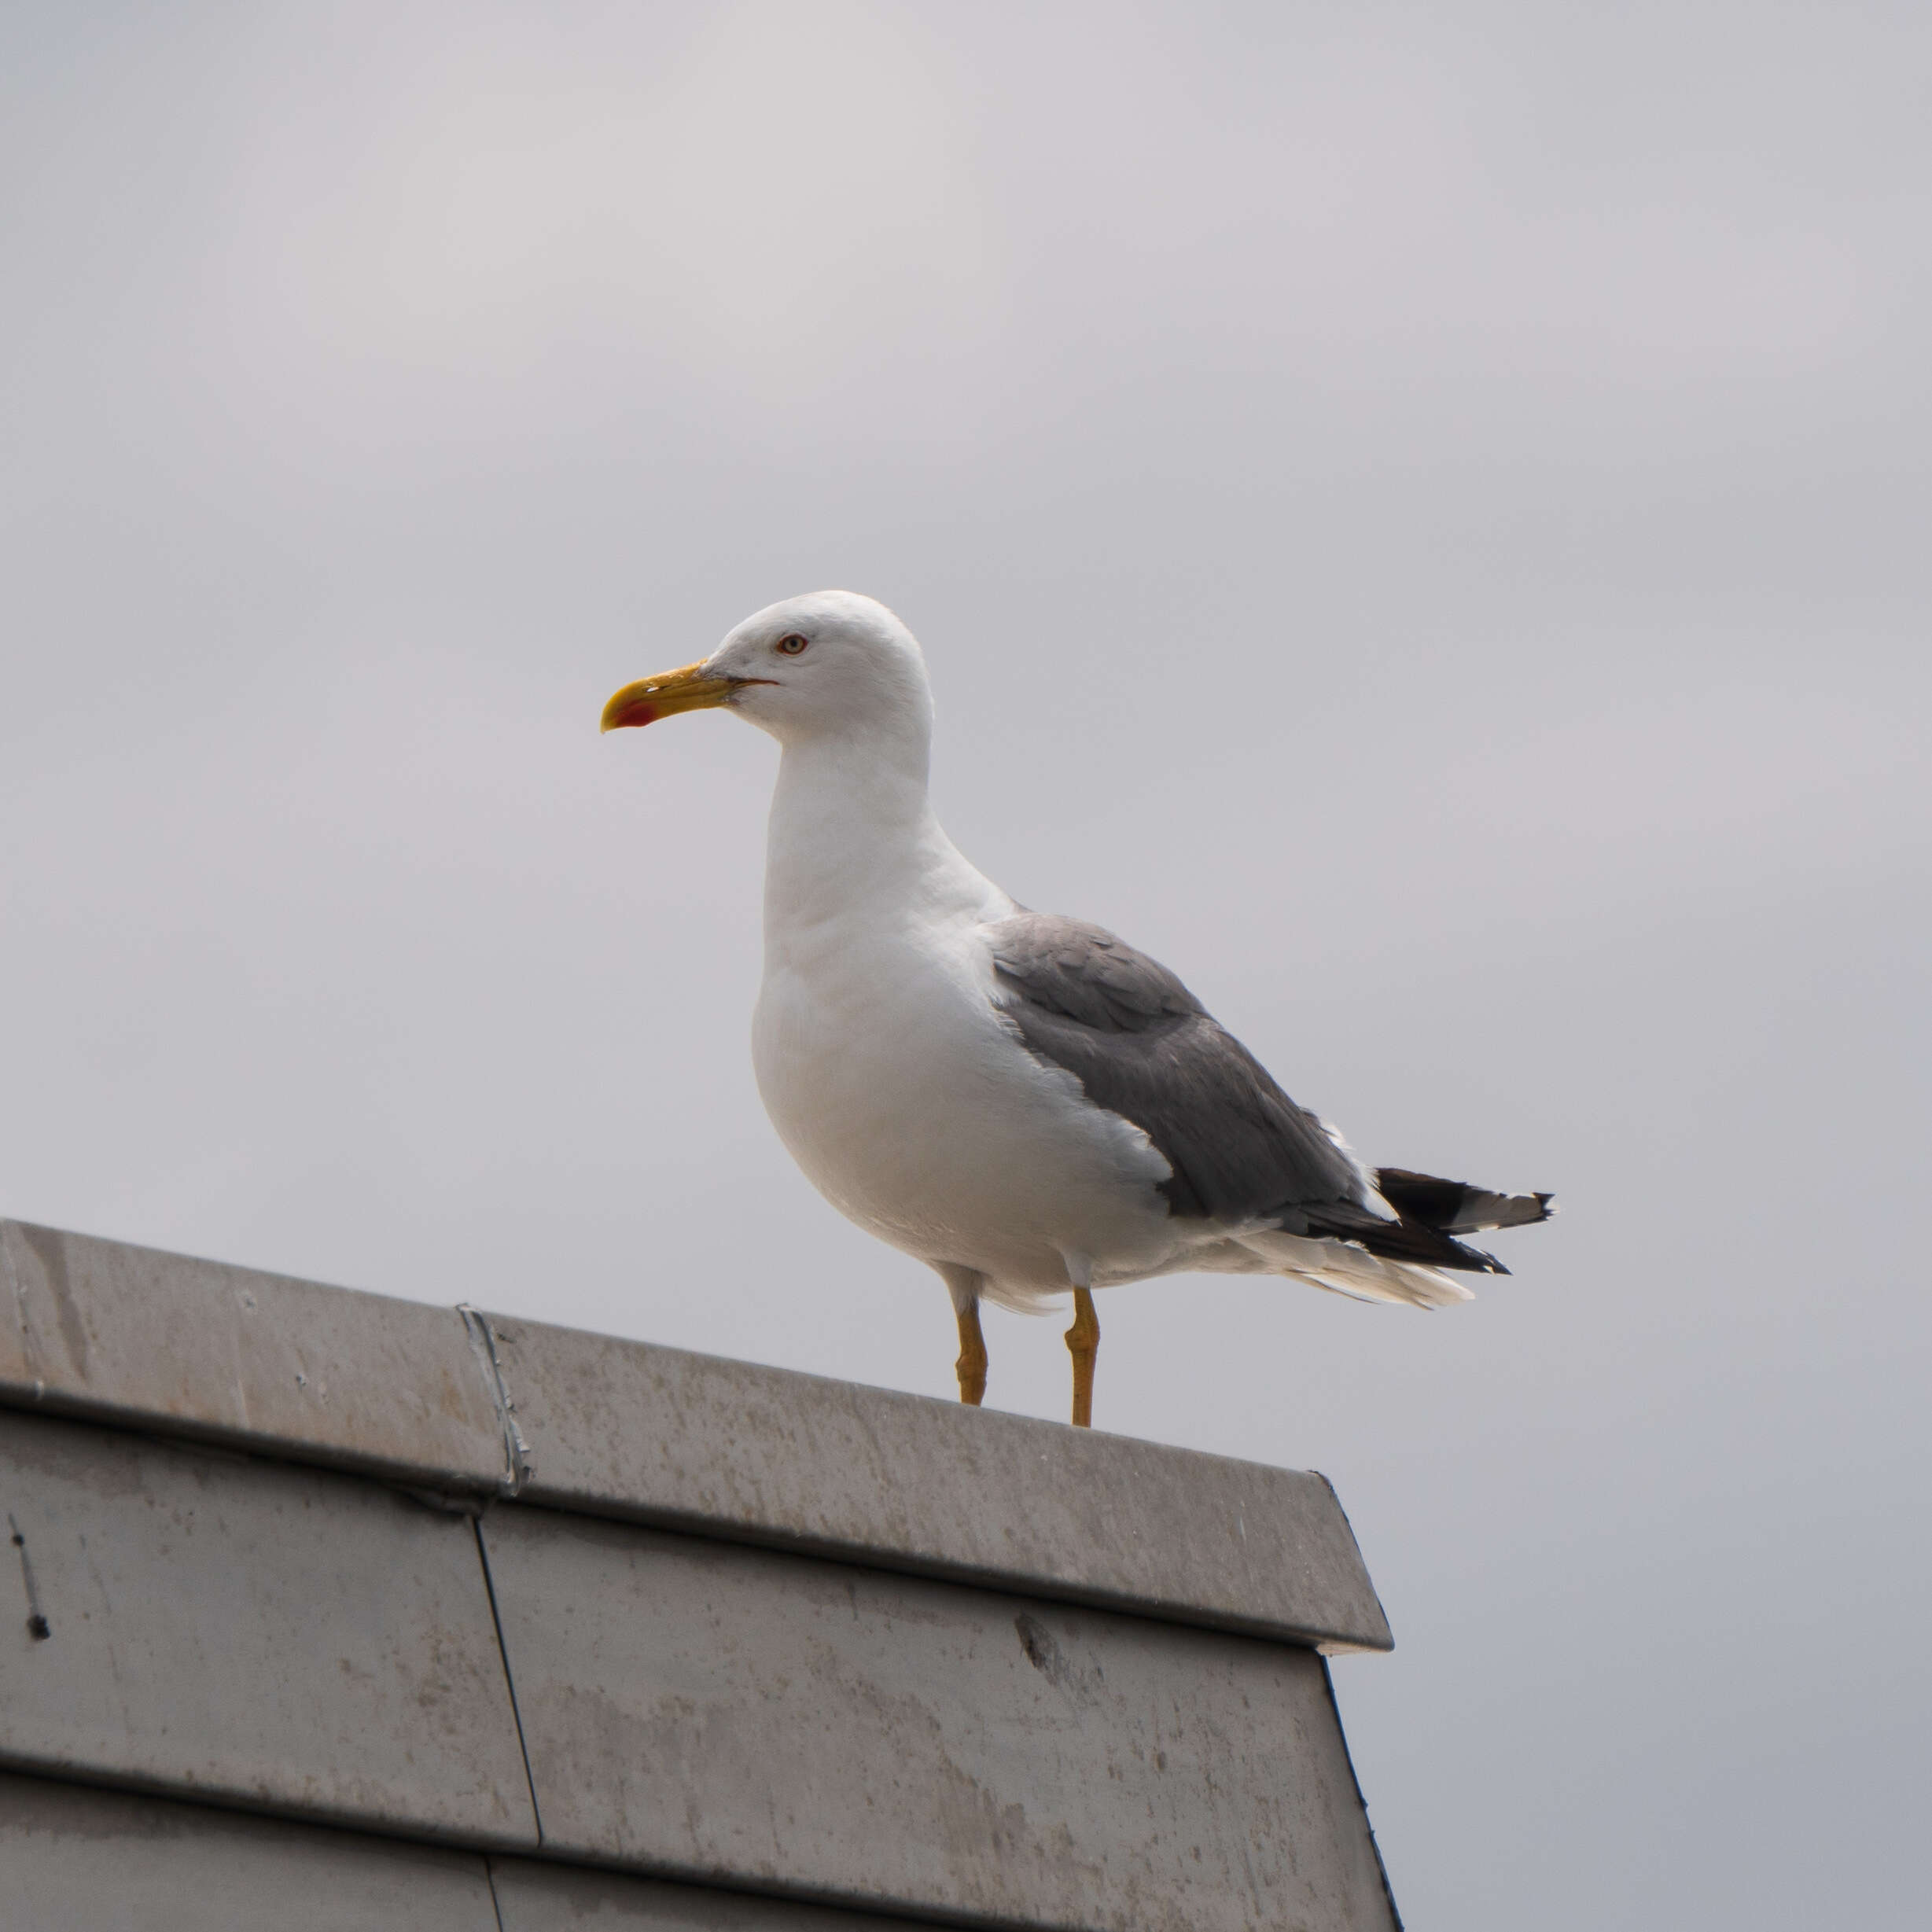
1419	518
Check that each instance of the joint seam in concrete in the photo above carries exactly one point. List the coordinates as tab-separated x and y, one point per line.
489	1879
509	1682
518	1468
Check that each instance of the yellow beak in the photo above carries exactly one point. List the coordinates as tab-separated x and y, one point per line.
670	692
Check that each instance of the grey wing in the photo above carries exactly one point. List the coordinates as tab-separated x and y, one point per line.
1142	1046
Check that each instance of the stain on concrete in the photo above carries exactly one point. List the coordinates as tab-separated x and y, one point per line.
50	1251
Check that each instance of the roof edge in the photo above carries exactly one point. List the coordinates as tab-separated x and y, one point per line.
489	1406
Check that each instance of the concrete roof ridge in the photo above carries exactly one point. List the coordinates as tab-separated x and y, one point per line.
141	1338
494	1406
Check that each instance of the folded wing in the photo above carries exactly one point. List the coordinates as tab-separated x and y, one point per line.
1242	1152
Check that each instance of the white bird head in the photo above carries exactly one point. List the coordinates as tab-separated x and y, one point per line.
831	664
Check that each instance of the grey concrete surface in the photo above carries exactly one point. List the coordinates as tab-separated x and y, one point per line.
129	1334
534	1897
168	1343
983	1669
277	1637
73	1859
708	1711
625	1427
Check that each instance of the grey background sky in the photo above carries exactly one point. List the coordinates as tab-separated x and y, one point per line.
1418	518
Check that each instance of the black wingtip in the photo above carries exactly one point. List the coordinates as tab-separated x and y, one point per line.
1456	1207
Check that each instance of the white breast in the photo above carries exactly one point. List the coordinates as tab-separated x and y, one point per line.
915	1110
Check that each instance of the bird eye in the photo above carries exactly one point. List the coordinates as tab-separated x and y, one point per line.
792	643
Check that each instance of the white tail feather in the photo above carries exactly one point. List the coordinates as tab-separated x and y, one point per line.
1479	1211
1345	1269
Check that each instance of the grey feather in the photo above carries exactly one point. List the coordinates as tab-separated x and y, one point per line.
1142	1046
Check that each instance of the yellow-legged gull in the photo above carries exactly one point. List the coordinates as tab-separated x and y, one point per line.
1022	1100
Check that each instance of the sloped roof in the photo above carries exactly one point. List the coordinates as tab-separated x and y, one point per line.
525	1597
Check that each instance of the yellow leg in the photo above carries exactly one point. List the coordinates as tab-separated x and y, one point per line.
1083	1341
972	1363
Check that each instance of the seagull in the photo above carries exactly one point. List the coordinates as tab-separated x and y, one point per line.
1018	1099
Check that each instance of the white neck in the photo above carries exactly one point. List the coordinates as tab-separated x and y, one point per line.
852	833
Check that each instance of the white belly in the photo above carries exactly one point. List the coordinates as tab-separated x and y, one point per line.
915	1111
